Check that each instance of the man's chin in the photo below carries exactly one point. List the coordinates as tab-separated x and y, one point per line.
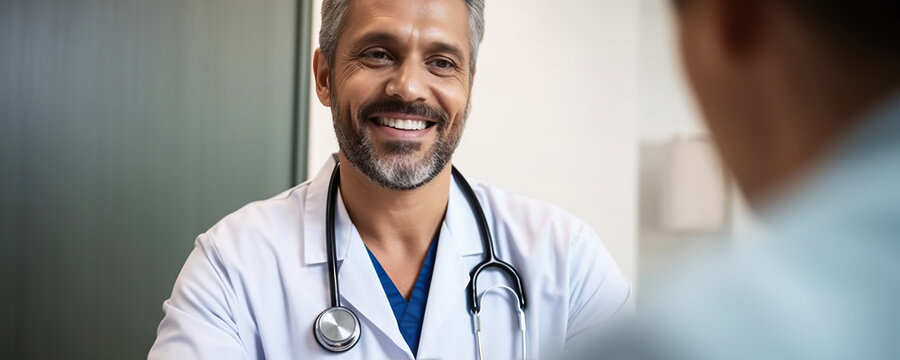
401	163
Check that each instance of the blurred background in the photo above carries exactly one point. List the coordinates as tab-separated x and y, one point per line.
128	127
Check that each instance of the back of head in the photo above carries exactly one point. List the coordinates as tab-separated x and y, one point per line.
780	82
864	28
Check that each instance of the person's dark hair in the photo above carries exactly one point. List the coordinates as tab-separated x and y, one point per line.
867	26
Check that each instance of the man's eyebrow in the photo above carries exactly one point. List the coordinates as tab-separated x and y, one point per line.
453	50
375	38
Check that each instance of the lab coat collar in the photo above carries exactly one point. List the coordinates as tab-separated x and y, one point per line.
360	289
314	248
459	221
448	285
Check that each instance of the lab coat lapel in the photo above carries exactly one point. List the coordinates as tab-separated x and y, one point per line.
459	238
361	289
314	217
359	284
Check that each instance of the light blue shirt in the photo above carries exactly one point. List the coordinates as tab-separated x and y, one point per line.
821	282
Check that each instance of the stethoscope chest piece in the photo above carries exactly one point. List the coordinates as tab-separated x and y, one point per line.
337	329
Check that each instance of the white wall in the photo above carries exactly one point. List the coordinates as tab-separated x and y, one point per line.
667	109
554	111
666	104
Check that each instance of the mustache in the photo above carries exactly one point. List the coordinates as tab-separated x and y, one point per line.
435	114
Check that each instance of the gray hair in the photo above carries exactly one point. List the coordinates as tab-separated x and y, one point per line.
334	12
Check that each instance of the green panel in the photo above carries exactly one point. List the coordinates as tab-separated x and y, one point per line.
302	79
127	127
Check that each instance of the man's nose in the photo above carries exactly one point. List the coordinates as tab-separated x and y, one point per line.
408	83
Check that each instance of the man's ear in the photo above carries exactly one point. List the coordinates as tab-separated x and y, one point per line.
471	86
742	25
323	80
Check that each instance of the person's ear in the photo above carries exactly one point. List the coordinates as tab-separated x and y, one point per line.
323	79
742	26
471	86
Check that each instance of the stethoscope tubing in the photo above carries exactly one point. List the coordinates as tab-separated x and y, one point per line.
491	259
333	186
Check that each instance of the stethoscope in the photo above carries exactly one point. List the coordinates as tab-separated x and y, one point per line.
337	328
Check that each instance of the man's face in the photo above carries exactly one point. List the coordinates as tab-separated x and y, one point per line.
399	88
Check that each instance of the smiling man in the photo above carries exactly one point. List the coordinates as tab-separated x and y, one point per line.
389	253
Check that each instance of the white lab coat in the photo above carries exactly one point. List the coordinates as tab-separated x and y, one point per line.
255	282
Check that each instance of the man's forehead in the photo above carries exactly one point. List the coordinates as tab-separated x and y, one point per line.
409	4
408	8
424	20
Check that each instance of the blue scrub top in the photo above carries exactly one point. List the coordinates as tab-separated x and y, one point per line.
410	314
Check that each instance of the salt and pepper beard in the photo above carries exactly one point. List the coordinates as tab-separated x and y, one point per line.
394	169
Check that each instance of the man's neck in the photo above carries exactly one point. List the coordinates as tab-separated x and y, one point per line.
817	114
399	222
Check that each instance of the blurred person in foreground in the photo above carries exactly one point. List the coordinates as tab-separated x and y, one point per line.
802	98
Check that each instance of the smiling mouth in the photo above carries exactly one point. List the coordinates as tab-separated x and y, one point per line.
403	124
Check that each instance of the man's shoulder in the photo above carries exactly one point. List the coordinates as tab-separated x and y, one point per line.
518	207
270	223
521	216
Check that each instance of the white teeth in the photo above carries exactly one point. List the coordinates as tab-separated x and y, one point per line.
403	124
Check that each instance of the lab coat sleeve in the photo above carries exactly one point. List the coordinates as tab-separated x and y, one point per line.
198	321
599	292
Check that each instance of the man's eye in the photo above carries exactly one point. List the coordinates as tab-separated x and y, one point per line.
442	63
378	55
442	66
